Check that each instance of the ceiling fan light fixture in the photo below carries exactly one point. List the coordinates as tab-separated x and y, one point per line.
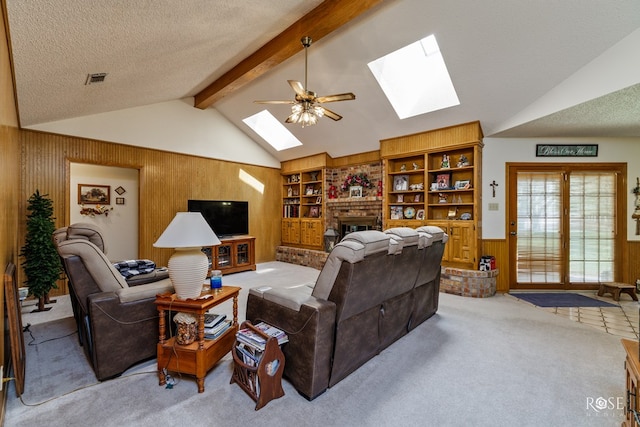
306	108
305	113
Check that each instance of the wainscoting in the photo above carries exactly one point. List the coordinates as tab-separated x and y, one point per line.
499	248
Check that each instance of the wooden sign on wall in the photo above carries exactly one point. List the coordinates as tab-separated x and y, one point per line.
568	150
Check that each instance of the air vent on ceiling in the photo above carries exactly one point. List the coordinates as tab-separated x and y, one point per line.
95	78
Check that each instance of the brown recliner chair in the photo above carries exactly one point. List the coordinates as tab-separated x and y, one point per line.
117	323
334	323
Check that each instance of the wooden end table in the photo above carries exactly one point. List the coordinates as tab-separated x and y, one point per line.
200	356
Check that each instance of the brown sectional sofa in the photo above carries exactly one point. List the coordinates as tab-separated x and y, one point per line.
374	288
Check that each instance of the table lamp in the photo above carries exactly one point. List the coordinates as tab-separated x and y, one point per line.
187	233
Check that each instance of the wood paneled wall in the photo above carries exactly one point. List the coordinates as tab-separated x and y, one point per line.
633	261
423	141
167	181
9	187
500	250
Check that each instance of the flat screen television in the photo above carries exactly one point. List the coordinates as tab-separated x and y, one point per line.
226	217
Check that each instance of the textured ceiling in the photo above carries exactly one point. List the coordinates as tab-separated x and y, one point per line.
153	51
502	55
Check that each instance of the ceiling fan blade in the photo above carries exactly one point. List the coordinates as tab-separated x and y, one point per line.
275	102
333	98
331	114
297	87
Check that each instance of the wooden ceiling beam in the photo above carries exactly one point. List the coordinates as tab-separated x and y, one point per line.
328	16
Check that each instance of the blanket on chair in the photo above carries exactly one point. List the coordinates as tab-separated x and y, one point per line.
134	267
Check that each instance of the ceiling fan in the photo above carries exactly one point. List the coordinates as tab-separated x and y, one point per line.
306	108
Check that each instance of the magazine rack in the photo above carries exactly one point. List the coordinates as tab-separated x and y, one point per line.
260	382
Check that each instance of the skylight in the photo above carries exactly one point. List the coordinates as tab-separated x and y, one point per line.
271	130
415	79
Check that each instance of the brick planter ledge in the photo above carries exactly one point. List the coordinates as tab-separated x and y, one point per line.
468	283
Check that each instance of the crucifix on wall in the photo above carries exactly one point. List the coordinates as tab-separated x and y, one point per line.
493	185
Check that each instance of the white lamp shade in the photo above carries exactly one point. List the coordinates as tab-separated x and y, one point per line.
187	230
188	266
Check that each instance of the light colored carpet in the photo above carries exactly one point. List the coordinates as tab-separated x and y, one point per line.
477	362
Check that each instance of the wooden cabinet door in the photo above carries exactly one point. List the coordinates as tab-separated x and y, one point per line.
311	233
461	242
223	256
290	231
243	253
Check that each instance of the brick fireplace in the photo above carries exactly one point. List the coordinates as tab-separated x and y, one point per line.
355	213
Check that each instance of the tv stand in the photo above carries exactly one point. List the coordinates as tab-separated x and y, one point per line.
234	254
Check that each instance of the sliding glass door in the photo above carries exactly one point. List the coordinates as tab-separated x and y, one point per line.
563	225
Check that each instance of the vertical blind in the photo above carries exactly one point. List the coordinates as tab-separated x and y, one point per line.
588	230
539	257
592	219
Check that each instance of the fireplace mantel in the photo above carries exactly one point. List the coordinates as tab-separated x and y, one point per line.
351	201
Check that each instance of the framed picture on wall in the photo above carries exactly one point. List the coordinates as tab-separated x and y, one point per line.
92	194
119	200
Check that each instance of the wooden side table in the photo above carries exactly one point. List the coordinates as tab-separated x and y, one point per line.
632	366
200	356
616	288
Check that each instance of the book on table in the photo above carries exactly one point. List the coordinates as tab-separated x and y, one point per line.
212	319
216	331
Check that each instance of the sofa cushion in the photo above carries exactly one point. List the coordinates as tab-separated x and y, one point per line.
424	240
59	236
395	245
436	232
86	231
408	235
96	263
292	298
147	290
373	241
350	251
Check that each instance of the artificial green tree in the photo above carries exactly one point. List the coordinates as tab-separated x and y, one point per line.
41	260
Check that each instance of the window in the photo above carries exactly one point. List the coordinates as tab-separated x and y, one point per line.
415	79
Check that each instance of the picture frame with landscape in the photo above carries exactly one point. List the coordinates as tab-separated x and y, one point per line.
94	194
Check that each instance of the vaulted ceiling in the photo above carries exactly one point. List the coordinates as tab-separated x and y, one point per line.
523	69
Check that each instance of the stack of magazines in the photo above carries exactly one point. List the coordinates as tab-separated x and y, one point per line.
251	345
215	325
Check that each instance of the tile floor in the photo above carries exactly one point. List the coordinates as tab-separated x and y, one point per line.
621	321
